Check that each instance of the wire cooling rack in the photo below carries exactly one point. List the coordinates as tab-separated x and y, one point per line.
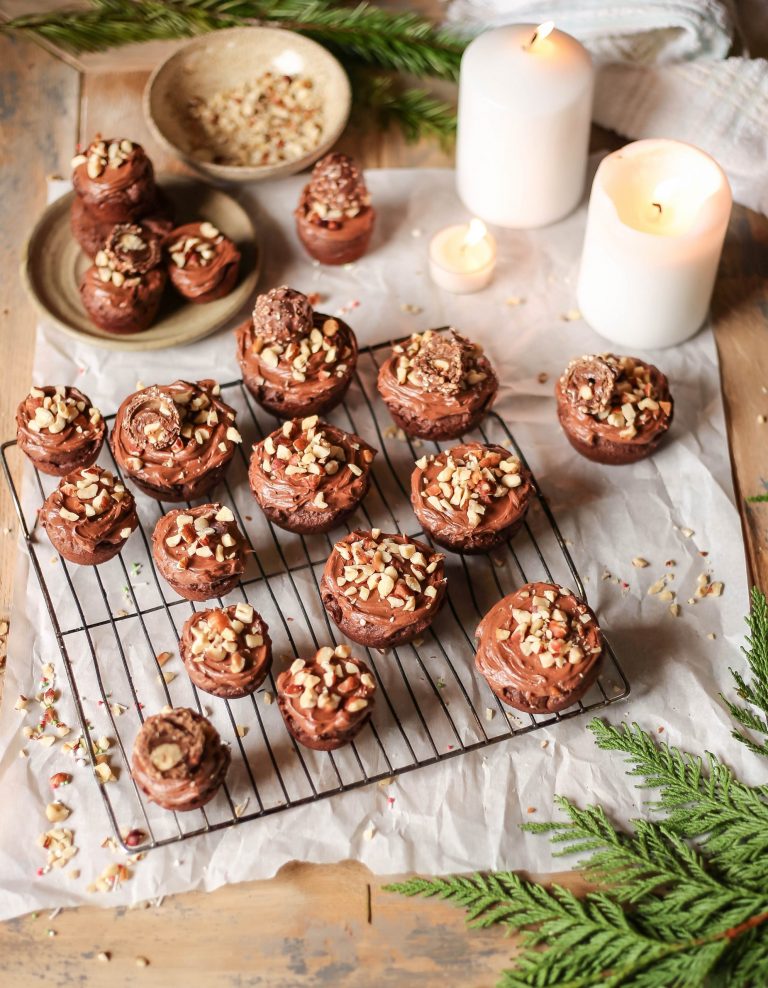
112	622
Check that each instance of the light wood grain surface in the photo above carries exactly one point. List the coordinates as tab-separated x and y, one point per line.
311	925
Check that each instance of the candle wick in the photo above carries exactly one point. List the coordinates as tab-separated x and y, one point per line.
657	205
529	44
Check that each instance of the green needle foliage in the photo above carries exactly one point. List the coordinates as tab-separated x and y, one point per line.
680	901
361	35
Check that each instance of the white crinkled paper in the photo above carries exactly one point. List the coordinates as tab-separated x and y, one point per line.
463	814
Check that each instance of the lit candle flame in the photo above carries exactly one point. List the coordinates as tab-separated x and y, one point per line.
542	31
476	231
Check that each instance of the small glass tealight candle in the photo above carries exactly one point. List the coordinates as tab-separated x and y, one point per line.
462	258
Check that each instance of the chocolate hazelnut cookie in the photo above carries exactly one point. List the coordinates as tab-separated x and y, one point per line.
326	700
334	218
471	498
309	476
203	263
199	551
115	180
227	651
179	760
59	429
437	385
89	517
122	290
295	361
382	590
539	648
613	409
175	441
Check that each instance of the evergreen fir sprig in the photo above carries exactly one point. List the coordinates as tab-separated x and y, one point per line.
758	498
753	718
382	44
678	902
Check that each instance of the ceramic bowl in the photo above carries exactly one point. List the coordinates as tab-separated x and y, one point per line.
225	59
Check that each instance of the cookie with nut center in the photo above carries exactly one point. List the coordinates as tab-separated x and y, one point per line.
200	551
471	498
437	385
383	590
226	651
308	476
179	760
59	429
326	700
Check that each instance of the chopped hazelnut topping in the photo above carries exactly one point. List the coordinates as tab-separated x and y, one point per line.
468	480
550	632
446	363
333	680
336	191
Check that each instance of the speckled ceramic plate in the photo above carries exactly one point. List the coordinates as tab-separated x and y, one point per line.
53	265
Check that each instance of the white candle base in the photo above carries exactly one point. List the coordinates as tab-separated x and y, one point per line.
460	268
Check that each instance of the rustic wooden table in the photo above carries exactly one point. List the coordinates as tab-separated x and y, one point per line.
310	925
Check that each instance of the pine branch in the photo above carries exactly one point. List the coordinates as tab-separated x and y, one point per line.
755	717
402	42
384	102
758	498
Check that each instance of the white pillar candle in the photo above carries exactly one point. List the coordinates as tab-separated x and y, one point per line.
657	218
462	258
525	104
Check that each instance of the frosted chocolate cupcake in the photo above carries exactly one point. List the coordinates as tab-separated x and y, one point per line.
309	476
59	429
226	651
539	648
199	551
179	760
613	409
175	441
89	517
437	385
295	361
382	590
203	264
122	290
115	180
328	699
334	218
471	498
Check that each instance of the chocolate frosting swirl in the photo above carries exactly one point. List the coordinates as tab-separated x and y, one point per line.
179	760
110	167
227	651
327	699
436	376
175	440
89	511
59	429
201	258
470	489
637	410
553	619
309	465
200	551
308	370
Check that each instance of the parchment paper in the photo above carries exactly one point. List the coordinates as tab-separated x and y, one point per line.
462	815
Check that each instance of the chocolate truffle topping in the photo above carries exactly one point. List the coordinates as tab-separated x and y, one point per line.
89	515
131	249
326	700
613	409
59	429
336	190
200	551
539	648
282	314
437	385
309	475
179	760
382	590
468	495
227	651
175	440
